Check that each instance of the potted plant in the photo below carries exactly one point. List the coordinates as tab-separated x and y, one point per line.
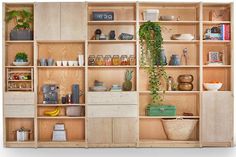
152	60
127	85
21	58
22	20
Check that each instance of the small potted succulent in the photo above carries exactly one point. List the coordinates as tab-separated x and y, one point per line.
22	20
21	59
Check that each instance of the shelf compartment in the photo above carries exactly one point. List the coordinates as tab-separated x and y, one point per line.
11	24
207	8
130	29
13	48
216	47
12	124
122	11
188	103
61	77
70	144
68	51
220	75
186	12
75	129
174	72
152	129
167	143
106	75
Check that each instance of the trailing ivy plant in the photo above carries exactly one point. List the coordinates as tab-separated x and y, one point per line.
151	59
22	18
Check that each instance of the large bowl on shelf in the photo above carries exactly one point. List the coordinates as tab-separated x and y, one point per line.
20	63
179	129
212	86
182	37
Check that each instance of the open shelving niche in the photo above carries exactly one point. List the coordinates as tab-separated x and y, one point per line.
194	22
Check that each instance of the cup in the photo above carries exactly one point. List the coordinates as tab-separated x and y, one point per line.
75	63
43	62
50	62
81	60
64	63
70	63
58	63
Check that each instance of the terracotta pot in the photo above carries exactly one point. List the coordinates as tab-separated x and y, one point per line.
185	78
185	86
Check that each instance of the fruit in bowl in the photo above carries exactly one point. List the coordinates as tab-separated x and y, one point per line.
212	86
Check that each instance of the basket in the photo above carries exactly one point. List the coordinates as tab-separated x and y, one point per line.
151	15
161	110
179	129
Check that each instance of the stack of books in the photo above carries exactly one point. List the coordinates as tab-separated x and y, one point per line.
224	32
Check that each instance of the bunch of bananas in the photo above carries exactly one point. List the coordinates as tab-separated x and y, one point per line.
53	113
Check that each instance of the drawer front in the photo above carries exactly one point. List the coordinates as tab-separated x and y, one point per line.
19	110
112	111
112	98
19	98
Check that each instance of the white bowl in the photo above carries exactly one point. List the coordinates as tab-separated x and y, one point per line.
182	37
167	17
212	86
20	63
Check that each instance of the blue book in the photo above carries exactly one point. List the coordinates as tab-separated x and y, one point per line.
222	32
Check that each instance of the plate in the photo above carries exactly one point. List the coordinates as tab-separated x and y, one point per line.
20	63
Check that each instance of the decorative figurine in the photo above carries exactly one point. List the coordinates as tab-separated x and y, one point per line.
98	32
112	35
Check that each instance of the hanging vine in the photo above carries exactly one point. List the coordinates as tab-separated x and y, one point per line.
151	58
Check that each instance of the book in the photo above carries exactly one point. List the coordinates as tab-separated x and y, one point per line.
222	32
227	32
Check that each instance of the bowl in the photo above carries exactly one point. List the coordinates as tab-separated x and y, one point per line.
212	86
167	18
182	37
20	63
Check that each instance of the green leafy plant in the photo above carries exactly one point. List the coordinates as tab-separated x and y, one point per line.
22	18
21	56
150	42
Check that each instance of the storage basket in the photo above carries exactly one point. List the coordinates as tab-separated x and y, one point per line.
160	110
151	15
179	129
74	111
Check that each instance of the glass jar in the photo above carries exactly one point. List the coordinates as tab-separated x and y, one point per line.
131	60
108	60
124	60
115	60
99	60
91	60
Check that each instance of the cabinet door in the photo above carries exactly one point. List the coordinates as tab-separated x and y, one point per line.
73	17
99	131
124	130
217	118
47	21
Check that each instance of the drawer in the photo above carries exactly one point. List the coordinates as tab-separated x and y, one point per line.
19	110
112	98
112	110
19	98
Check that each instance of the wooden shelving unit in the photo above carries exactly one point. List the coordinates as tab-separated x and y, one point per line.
116	119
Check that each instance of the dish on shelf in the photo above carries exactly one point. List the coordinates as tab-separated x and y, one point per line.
98	88
167	18
182	37
20	63
214	86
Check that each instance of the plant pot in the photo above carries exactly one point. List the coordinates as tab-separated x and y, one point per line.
179	129
21	35
160	110
187	78
185	86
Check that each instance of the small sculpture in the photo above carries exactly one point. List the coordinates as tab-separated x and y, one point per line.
112	35
184	57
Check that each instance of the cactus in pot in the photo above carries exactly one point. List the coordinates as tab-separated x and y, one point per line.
127	85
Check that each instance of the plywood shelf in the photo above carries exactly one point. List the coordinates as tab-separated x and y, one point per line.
118	66
52	67
167	143
19	41
178	66
112	22
62	144
23	144
217	66
216	41
59	117
172	92
59	41
64	105
181	41
19	80
174	22
19	66
215	22
169	117
111	41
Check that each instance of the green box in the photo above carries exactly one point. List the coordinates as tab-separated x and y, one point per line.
161	110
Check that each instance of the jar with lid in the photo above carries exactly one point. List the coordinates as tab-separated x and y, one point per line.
131	60
115	60
108	60
124	60
91	60
99	60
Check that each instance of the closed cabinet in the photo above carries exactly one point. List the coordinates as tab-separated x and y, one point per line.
47	21
112	131
60	21
217	118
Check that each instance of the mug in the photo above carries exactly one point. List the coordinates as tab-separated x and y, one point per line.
43	62
70	63
81	60
50	62
64	63
58	63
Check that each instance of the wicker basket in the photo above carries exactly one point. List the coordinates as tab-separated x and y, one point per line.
179	129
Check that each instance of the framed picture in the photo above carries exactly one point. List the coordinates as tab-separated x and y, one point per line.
215	57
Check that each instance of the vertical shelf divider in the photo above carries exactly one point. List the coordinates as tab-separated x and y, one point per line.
86	73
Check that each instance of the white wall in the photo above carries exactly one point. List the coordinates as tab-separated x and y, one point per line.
109	152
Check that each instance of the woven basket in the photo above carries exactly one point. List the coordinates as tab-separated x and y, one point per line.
179	129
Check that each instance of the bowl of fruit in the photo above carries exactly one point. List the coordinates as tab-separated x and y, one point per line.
212	86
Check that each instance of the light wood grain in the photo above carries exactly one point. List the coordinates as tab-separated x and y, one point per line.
19	110
47	21
19	98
